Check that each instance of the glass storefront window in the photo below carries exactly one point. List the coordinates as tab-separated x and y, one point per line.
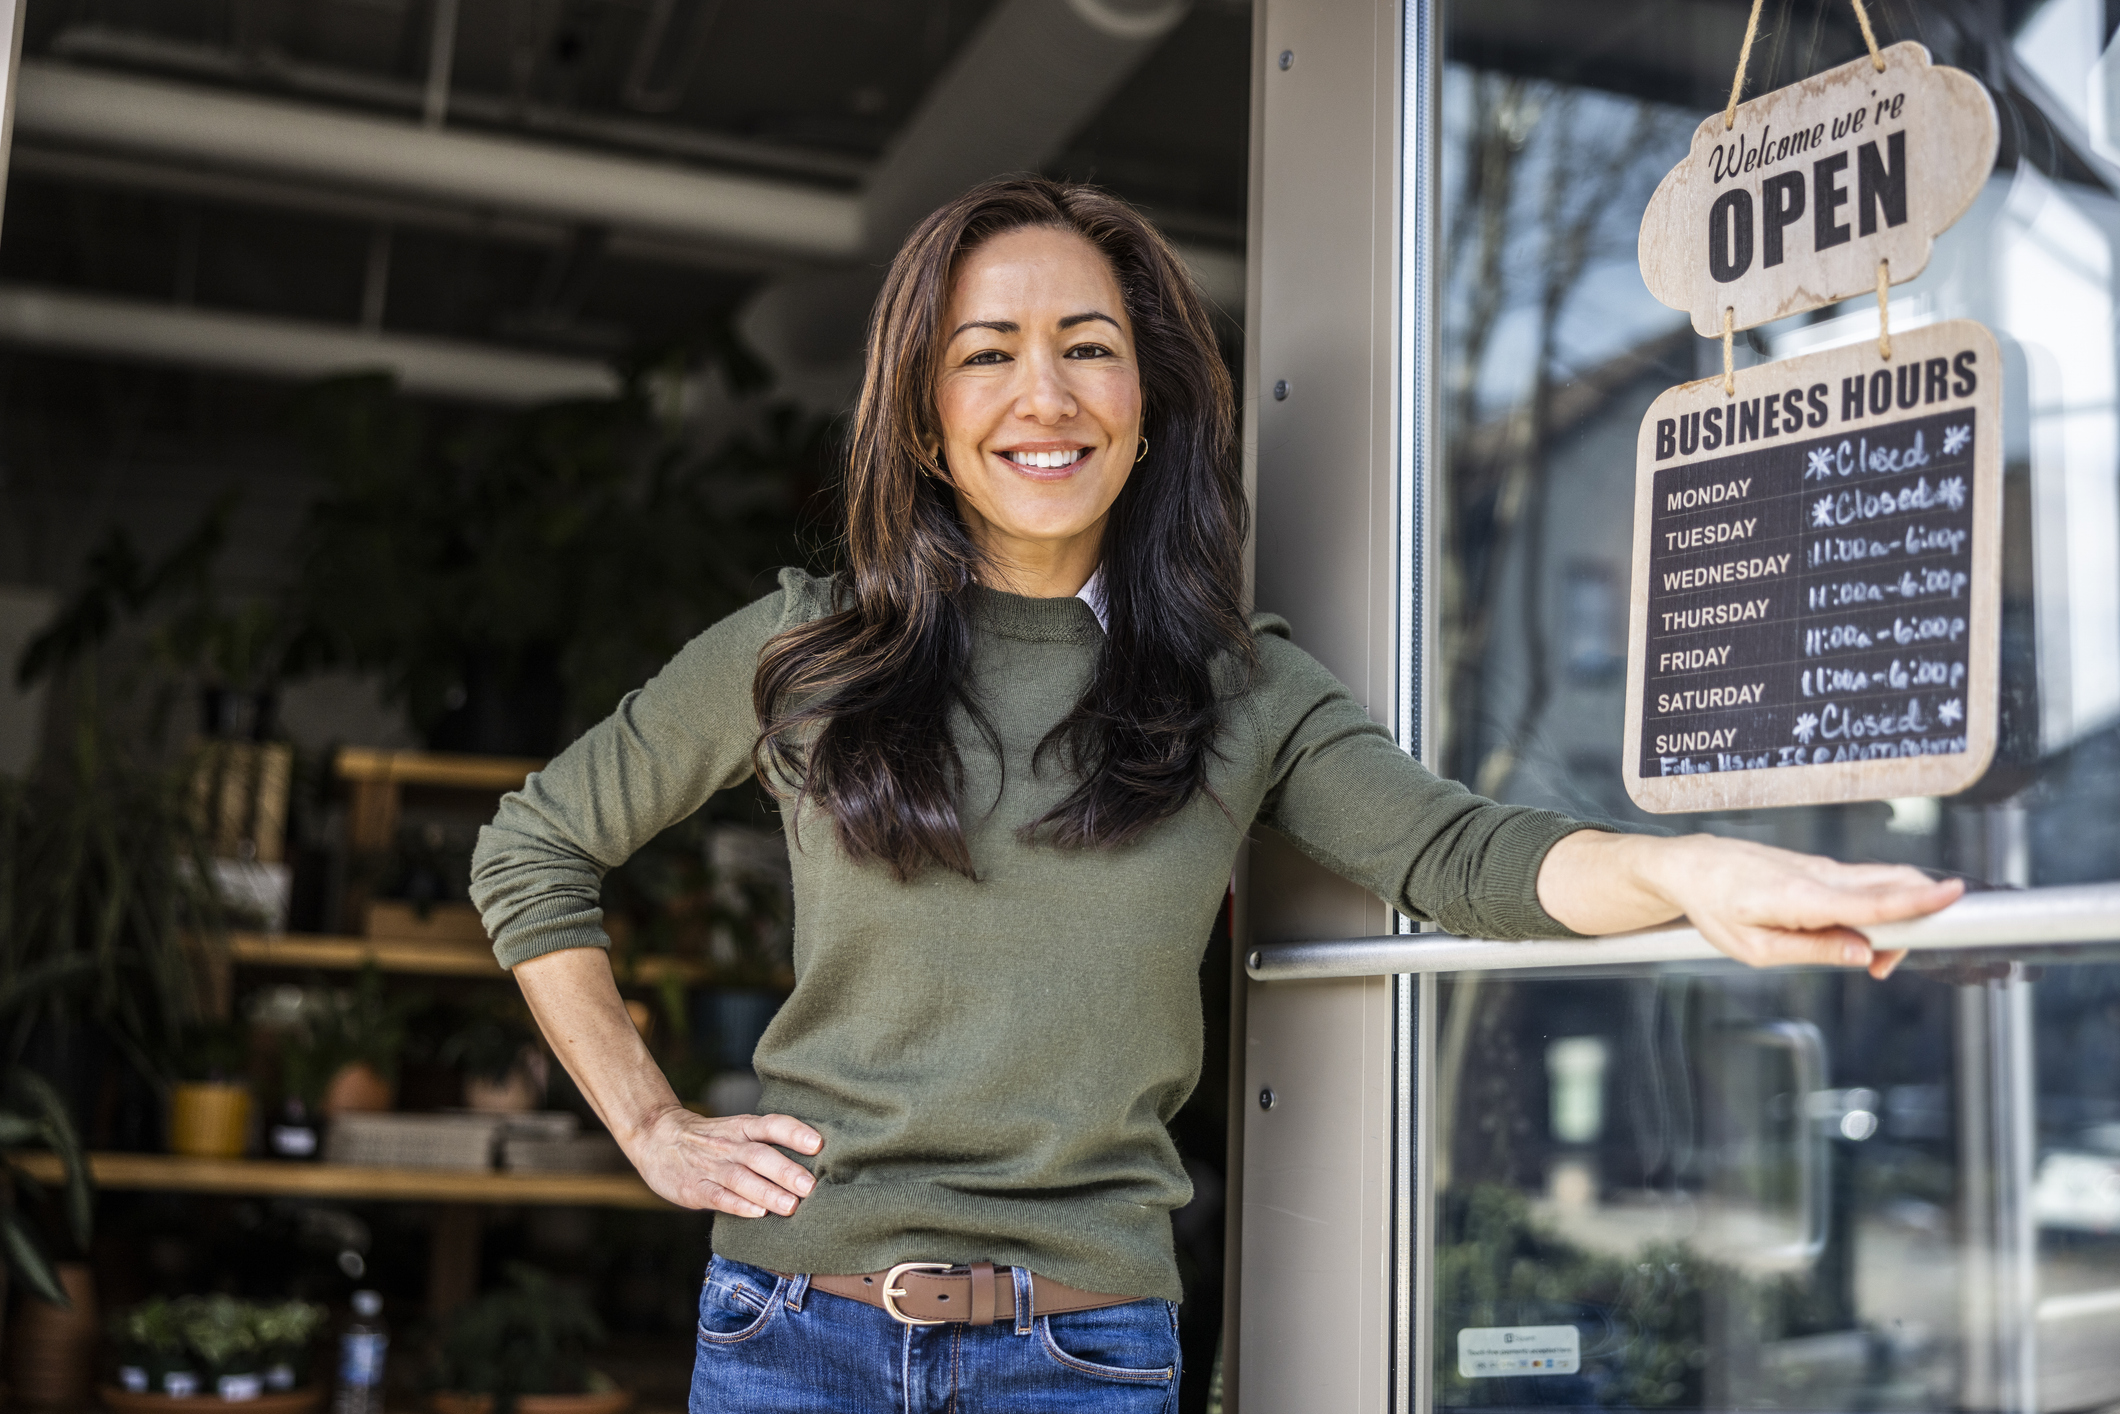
1706	1188
1771	1191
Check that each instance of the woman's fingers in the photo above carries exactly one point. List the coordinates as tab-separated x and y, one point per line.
1771	908
784	1130
723	1200
1907	894
1762	946
740	1173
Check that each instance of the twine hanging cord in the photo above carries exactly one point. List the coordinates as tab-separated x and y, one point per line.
1737	88
1884	310
1744	54
1729	352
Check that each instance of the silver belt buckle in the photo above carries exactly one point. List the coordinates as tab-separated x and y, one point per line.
891	1290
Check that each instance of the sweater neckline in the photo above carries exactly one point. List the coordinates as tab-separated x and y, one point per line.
1063	620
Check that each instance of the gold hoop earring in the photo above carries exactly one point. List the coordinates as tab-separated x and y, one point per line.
1144	452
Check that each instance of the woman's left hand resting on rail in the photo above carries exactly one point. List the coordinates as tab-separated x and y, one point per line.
1763	906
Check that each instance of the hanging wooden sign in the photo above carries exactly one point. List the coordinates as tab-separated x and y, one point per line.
1817	562
1796	202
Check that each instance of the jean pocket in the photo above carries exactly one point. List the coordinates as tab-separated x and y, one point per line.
1136	1342
736	1302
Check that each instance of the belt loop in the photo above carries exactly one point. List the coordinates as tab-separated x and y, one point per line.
1024	1315
798	1287
982	1293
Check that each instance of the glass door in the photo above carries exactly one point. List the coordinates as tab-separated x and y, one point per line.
1696	1187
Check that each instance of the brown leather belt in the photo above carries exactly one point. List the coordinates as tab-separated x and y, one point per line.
933	1293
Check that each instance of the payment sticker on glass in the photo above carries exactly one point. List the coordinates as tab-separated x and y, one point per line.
1490	1351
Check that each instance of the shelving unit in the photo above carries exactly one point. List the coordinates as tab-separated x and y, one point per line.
452	1270
378	779
265	1178
452	1263
326	952
445	942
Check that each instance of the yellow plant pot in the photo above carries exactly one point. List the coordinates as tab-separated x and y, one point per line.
209	1121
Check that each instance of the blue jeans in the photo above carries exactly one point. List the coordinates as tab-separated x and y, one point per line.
772	1345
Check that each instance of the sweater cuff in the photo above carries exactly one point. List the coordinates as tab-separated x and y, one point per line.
1515	853
550	927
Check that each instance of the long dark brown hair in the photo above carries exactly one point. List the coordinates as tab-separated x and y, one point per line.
856	705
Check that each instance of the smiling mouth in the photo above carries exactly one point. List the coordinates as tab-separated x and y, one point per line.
1046	461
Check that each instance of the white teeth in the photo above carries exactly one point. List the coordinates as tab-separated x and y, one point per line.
1044	460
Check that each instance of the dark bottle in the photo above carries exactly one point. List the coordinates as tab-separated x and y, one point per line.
294	1133
363	1349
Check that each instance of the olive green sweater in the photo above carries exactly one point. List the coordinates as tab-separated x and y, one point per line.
992	1062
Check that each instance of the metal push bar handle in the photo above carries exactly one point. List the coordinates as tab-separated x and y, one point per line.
2080	913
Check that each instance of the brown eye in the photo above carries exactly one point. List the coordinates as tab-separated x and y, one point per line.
1089	351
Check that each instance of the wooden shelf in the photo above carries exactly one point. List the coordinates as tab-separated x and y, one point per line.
330	953
175	1173
430	768
327	952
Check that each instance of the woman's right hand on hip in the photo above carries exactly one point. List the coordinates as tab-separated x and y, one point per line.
727	1164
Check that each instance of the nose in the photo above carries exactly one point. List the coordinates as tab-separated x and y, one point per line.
1044	396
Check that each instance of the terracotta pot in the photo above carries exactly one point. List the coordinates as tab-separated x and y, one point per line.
51	1357
615	1401
209	1121
358	1089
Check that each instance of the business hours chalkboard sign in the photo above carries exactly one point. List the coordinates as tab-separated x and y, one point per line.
1816	587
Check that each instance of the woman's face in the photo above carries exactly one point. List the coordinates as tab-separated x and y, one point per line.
1040	401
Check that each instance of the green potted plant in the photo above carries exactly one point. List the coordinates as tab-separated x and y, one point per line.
209	1106
32	1113
147	1341
495	1046
214	1349
306	1070
523	1349
109	919
54	1326
220	1332
286	1330
360	1035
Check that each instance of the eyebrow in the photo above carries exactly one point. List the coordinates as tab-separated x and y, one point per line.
1010	326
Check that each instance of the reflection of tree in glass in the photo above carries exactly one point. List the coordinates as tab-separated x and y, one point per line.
1643	1322
1553	179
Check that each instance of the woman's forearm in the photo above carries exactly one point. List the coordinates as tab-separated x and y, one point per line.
732	1164
1595	883
575	1000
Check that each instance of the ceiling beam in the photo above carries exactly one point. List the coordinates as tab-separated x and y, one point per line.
192	183
184	140
94	45
96	326
299	142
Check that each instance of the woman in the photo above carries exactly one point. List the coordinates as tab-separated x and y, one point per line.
1017	745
